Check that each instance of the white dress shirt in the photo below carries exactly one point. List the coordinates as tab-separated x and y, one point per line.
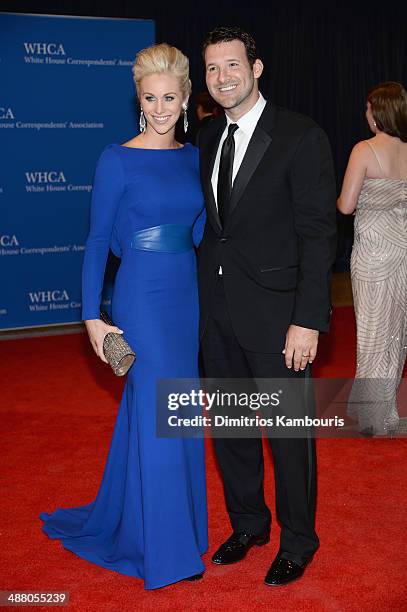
247	124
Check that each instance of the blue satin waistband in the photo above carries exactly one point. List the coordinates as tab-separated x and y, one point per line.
170	238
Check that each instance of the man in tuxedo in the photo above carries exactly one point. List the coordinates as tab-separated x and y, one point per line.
264	280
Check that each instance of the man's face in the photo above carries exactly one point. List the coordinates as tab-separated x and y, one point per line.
231	81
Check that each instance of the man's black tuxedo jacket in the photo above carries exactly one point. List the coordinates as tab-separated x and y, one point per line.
278	245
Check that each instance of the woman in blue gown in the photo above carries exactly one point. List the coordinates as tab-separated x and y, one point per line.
149	518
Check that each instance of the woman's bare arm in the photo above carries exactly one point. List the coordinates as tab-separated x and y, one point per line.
353	179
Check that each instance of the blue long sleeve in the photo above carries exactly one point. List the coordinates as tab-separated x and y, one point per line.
198	227
107	190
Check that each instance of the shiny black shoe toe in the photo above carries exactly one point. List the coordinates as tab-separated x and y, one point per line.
194	578
237	546
283	571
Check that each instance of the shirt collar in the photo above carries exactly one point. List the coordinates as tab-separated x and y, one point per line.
248	121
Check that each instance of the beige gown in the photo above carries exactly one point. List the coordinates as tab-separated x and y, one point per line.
379	285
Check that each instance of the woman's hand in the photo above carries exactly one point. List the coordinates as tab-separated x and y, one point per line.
97	331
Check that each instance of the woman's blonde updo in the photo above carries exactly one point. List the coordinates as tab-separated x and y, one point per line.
159	59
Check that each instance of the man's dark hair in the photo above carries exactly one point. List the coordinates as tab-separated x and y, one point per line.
227	34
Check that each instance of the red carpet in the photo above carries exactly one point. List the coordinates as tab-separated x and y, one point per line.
59	405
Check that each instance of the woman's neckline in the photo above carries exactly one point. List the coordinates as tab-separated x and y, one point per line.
150	149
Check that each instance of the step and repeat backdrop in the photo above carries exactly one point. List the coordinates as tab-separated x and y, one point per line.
66	91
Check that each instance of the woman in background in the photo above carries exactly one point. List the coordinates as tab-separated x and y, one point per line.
375	184
149	519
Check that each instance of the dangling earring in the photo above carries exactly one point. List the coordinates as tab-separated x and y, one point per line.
142	122
185	106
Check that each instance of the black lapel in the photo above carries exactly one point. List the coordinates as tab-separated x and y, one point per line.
257	147
207	161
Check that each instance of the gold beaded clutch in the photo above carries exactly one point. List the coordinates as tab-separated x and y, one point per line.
117	351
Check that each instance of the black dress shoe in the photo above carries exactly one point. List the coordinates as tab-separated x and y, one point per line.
194	577
283	571
237	546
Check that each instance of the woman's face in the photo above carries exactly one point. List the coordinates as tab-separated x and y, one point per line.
370	118
161	99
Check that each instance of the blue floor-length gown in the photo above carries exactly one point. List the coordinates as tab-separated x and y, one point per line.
149	519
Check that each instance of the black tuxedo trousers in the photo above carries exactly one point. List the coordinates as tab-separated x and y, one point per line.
241	459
